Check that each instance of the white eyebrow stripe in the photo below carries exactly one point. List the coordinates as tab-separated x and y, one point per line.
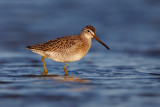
92	32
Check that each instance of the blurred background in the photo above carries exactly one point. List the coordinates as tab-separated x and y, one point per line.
127	75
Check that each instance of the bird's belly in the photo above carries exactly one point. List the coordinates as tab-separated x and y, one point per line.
59	57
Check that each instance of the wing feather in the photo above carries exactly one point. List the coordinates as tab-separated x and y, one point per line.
62	43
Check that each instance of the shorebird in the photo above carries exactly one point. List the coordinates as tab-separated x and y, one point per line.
68	48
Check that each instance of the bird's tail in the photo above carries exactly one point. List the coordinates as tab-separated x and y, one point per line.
28	47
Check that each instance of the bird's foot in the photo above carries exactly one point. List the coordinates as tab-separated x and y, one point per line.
66	74
44	72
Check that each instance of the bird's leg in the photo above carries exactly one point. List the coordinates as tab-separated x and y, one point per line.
45	69
65	68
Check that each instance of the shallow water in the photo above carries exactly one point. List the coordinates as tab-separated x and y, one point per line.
126	76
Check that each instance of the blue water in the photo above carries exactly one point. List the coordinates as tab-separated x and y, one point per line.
126	76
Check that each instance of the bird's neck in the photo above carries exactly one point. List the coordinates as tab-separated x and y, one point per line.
86	39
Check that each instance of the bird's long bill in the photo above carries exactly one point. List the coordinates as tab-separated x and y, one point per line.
96	38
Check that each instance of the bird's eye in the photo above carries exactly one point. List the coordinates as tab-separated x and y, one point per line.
88	31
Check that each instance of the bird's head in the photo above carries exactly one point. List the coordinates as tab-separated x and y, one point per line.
89	32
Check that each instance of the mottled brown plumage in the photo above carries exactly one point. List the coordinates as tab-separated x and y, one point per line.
57	44
67	48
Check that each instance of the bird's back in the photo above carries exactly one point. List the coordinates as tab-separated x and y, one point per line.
57	44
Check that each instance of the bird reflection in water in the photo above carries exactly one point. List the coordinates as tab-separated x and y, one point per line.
68	78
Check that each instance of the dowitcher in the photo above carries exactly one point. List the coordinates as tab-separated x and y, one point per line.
67	48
